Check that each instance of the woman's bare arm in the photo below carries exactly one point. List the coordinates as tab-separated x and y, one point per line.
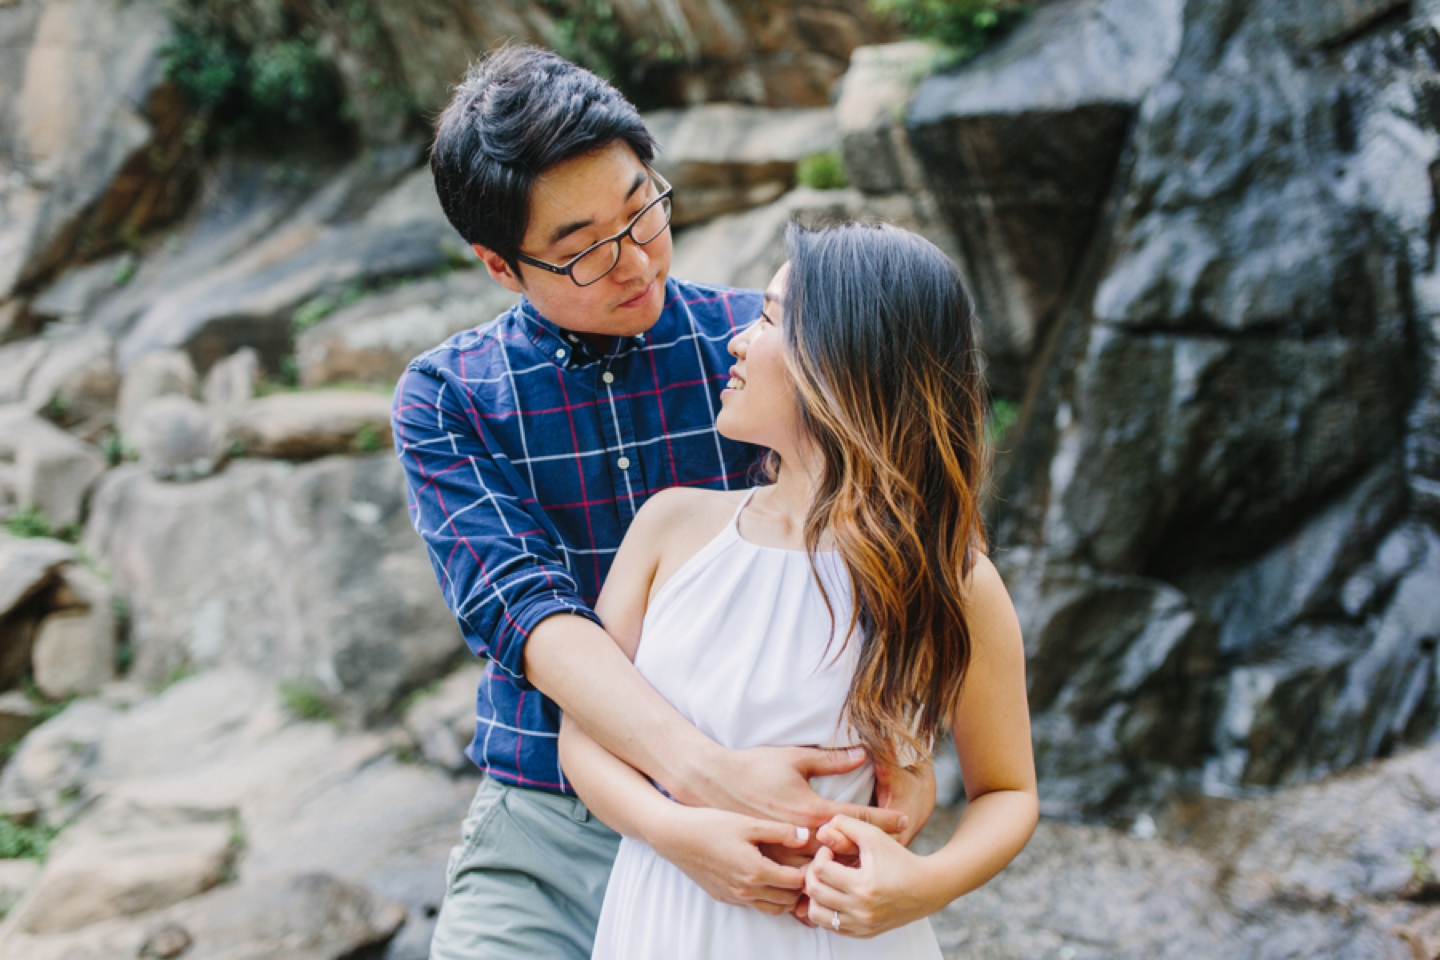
892	886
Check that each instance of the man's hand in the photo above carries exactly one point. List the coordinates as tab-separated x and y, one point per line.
910	792
720	851
773	783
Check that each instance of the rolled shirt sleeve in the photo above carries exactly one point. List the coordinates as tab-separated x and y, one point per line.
500	564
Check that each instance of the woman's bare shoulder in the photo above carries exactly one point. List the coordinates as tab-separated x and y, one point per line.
688	505
991	613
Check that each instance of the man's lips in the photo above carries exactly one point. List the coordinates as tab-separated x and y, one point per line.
640	297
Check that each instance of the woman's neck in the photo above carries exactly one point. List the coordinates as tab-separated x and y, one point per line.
786	503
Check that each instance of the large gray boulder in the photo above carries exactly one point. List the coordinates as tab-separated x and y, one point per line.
321	577
870	114
303	426
1020	148
52	470
372	340
723	158
76	381
159	374
1236	408
745	249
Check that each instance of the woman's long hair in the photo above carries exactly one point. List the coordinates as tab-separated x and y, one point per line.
880	340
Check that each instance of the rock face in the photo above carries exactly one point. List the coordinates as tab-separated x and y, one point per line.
371	341
249	301
722	158
52	471
178	439
74	651
1021	149
320	576
303	426
1214	518
745	249
215	761
90	143
1279	877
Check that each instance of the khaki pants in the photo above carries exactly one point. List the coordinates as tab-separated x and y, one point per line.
527	879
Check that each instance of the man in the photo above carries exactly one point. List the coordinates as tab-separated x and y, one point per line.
528	444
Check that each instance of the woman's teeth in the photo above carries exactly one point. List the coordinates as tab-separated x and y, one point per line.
735	384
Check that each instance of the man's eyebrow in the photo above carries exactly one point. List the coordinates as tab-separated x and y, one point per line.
565	229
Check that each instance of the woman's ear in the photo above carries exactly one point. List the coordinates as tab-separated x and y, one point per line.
498	269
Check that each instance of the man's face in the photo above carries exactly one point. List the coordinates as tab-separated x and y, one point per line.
572	206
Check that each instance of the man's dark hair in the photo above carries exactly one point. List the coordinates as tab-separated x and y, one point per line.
517	113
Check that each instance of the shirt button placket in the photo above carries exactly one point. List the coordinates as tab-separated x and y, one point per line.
620	435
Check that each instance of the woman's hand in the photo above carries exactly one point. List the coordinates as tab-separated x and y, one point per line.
721	852
884	890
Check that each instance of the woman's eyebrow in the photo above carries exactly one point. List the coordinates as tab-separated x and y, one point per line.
565	229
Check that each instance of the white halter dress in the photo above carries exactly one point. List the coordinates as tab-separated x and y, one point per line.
739	641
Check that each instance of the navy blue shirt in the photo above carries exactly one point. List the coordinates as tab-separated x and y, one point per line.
527	455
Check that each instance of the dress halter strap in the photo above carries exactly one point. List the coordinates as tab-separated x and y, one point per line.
744	502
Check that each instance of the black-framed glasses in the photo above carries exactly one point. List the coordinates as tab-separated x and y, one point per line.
595	261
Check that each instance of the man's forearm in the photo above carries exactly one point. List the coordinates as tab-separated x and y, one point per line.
578	665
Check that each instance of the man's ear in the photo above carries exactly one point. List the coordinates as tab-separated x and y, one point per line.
498	268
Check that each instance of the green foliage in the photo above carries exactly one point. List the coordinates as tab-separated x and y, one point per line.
305	701
589	33
367	439
823	171
270	89
45	708
311	312
29	522
963	26
124	272
1418	860
24	843
1002	416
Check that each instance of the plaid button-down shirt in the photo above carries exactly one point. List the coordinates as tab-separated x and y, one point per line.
526	456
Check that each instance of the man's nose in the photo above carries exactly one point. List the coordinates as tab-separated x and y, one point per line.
633	260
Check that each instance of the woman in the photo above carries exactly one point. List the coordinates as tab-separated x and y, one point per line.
846	602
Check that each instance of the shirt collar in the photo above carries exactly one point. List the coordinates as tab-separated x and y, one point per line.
566	349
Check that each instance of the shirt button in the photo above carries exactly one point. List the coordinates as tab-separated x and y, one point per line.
608	377
623	463
560	353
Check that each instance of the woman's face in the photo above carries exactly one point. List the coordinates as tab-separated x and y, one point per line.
759	405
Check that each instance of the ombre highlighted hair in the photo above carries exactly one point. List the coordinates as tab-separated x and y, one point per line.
880	337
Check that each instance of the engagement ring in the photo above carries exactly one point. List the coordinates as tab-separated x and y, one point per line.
835	920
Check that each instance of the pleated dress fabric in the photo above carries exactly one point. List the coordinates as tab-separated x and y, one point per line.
740	642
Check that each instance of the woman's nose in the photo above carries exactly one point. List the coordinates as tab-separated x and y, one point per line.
736	346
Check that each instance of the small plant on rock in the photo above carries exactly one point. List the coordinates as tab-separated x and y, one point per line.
367	439
822	171
19	842
29	522
964	27
305	701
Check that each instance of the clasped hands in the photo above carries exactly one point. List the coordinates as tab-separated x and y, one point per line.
843	858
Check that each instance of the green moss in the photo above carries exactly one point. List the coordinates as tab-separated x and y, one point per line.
24	843
367	439
29	522
1001	418
305	701
822	171
964	27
